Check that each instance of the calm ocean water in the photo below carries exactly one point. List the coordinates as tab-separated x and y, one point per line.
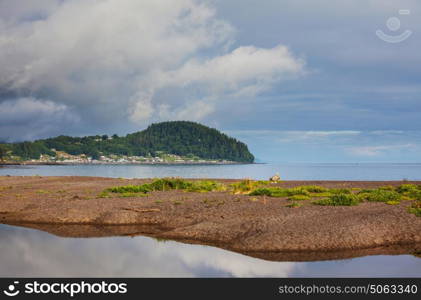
256	171
28	252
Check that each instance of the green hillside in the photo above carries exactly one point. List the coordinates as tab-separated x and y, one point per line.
178	137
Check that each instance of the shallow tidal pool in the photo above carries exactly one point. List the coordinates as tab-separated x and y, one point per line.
32	253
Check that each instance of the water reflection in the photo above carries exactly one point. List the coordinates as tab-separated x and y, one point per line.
28	252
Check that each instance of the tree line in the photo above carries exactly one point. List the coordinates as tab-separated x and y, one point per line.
176	137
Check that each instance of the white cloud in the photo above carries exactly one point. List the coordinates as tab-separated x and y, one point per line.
316	136
245	71
244	66
23	108
25	252
299	136
113	59
377	150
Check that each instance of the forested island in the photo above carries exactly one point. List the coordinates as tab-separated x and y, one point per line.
166	142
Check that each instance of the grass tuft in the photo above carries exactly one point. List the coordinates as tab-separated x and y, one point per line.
262	192
299	198
246	186
315	188
279	192
340	191
405	188
380	196
166	184
415	208
144	188
339	200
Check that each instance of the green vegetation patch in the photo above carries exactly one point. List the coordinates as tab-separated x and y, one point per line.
321	195
299	198
410	191
380	196
279	192
387	188
262	192
339	200
340	191
164	184
246	186
206	186
415	208
144	188
404	188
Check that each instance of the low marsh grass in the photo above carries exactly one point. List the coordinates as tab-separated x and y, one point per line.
387	188
280	192
315	189
320	195
204	186
380	196
144	188
246	186
404	188
340	191
299	198
410	191
262	192
415	208
166	184
339	200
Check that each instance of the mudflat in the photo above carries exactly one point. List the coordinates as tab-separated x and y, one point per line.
259	226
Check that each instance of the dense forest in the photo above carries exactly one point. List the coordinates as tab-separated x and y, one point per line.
177	137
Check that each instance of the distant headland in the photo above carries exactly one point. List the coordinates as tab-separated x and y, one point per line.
174	142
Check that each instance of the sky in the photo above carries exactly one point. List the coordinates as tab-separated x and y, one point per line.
298	81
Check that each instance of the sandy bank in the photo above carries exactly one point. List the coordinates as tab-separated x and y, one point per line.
259	226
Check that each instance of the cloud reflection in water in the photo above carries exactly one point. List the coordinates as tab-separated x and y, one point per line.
27	252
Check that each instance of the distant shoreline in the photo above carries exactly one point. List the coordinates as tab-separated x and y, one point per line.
118	163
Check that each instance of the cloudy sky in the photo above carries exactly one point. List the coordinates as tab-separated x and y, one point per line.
297	80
